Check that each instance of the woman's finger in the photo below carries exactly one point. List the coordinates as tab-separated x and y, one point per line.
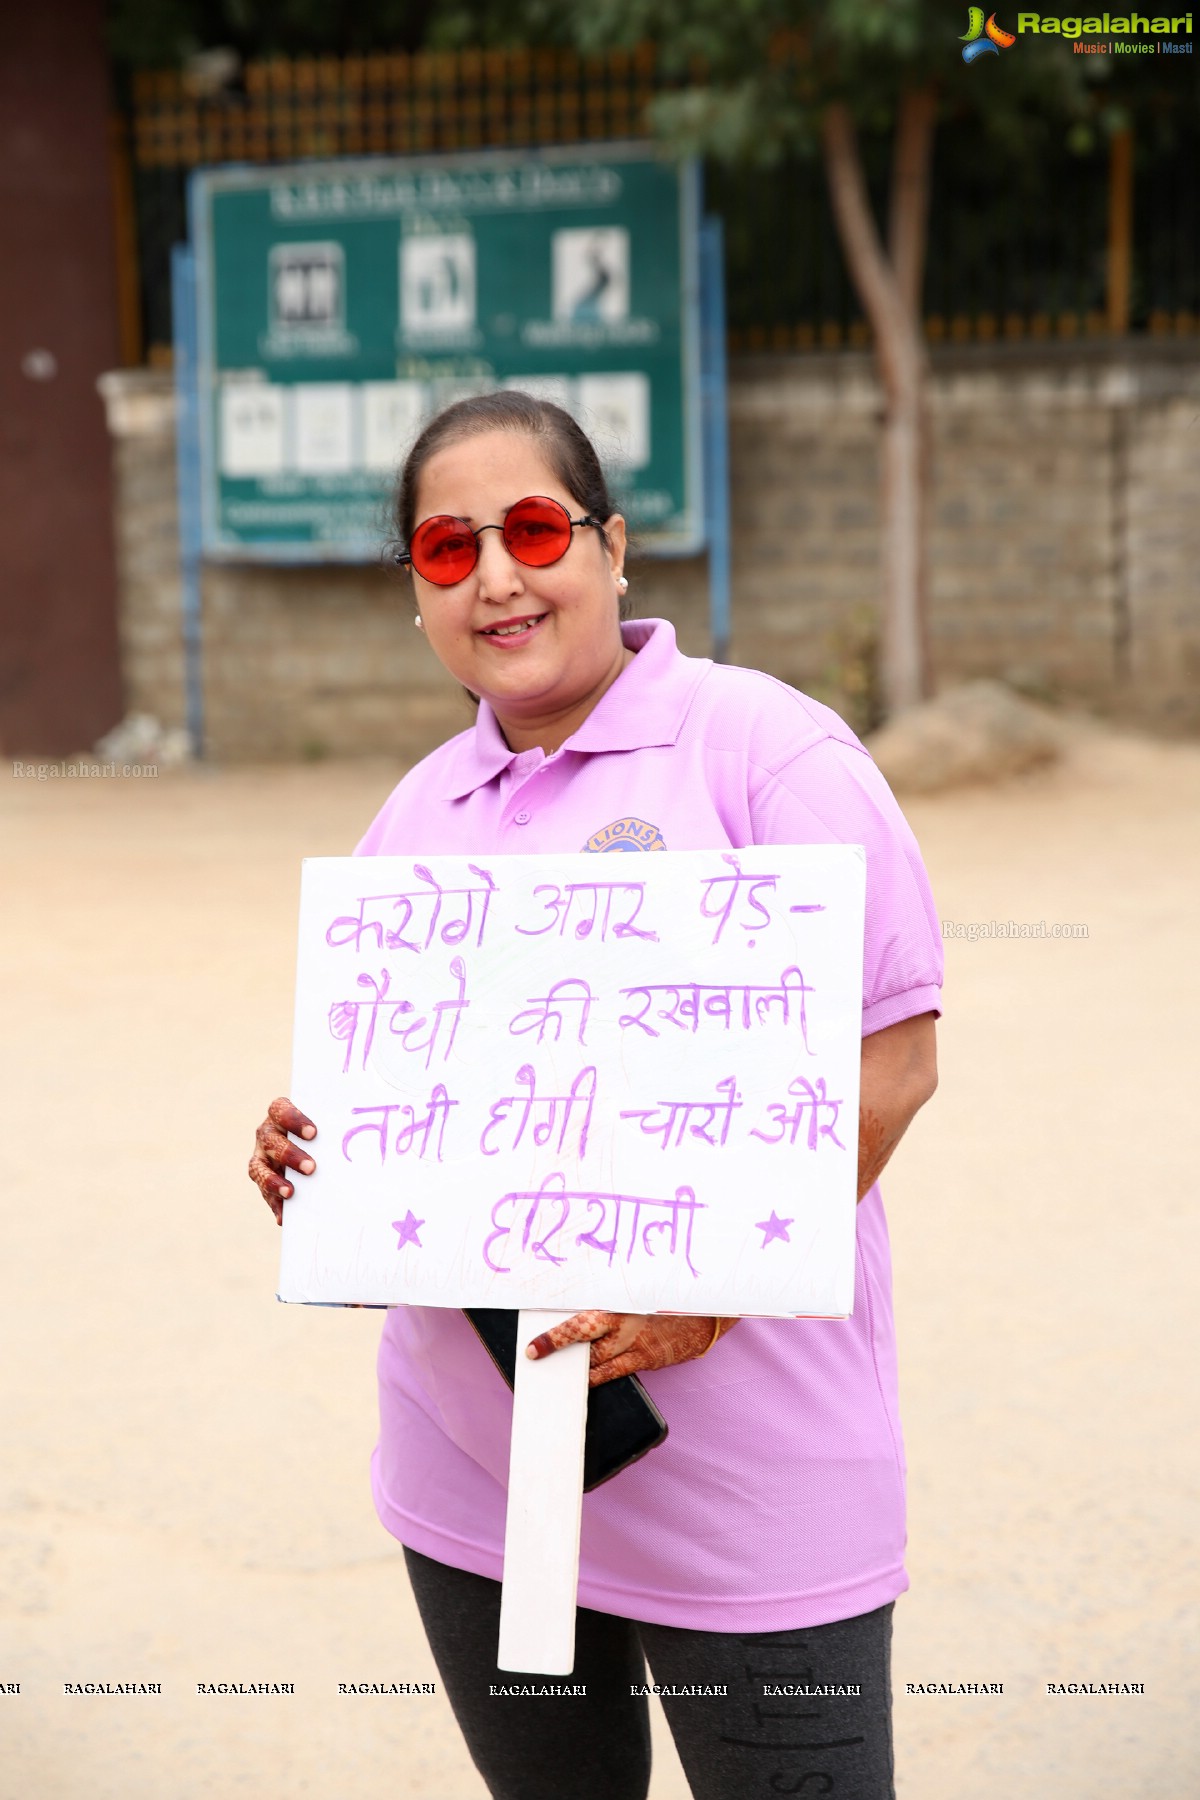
279	1152
628	1363
281	1112
581	1328
626	1330
659	1343
272	1187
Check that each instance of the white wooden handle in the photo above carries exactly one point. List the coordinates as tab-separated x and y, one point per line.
545	1500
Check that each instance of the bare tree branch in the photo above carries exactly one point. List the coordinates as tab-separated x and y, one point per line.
869	268
908	217
903	660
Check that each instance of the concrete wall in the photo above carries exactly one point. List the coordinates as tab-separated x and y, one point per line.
1064	557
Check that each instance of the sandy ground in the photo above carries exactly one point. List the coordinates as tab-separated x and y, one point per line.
183	1491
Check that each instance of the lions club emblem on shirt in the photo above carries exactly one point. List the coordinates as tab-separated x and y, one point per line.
627	834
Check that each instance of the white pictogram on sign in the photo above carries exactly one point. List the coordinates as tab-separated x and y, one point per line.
308	287
591	274
437	284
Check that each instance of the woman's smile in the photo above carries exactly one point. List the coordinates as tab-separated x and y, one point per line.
513	631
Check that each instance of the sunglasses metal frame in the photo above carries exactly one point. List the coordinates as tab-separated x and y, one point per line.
404	557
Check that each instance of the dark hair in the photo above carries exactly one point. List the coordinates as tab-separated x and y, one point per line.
568	450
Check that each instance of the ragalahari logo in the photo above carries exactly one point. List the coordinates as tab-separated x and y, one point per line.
982	39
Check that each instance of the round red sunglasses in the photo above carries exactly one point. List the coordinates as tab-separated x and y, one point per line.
536	532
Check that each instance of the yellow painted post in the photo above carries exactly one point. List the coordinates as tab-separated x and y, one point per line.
129	301
1120	230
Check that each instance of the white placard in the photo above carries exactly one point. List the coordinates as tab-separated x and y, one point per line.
393	414
251	428
615	411
322	428
558	1082
558	389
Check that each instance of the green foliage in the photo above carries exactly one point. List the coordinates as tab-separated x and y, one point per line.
753	121
153	34
500	24
768	65
863	52
850	678
163	33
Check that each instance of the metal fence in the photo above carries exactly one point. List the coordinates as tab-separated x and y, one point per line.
1085	245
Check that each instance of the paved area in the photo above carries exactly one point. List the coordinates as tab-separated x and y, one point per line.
183	1491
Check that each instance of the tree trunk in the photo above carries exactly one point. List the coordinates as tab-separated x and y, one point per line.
890	289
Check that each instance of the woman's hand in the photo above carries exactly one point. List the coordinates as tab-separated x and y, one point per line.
623	1343
275	1153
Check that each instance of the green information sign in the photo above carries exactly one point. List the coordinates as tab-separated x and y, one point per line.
339	305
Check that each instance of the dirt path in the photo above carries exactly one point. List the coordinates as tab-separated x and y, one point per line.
184	1495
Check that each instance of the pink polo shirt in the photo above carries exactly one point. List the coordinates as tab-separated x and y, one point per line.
778	1498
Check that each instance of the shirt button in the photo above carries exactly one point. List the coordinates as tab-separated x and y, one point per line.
523	818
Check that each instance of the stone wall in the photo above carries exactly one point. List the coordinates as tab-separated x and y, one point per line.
1161	553
1064	556
1064	544
141	423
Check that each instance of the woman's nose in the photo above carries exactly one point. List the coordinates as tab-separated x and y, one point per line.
498	572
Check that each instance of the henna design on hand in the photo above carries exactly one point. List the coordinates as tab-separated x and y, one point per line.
275	1153
624	1343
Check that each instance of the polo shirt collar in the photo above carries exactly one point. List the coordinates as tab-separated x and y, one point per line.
644	708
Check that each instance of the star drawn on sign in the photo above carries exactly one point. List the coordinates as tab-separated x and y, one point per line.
407	1230
774	1227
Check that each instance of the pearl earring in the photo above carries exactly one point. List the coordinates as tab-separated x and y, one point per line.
622	583
417	622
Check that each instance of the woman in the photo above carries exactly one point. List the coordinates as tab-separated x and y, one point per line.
760	1548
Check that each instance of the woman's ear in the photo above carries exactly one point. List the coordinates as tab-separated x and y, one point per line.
614	531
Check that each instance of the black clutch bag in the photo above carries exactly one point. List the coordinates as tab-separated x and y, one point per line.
623	1423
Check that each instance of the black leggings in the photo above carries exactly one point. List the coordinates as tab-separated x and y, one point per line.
743	1746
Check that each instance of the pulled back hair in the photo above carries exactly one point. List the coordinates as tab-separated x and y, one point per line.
566	447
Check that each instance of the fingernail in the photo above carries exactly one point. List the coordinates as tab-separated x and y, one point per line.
285	1191
531	1351
309	1131
307	1166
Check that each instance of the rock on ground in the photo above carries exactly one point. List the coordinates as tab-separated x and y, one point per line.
979	732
